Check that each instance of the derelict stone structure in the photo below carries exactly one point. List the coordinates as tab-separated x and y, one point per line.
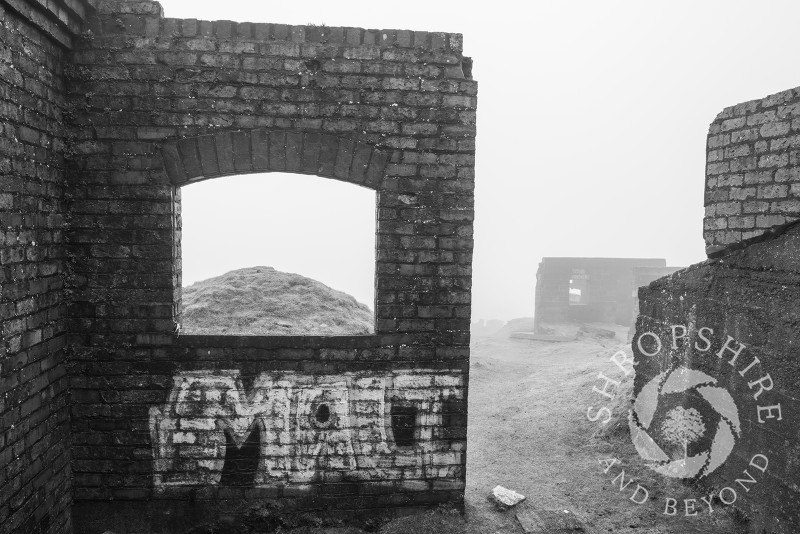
748	290
592	289
35	481
111	413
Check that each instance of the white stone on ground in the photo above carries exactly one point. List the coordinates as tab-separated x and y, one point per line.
506	497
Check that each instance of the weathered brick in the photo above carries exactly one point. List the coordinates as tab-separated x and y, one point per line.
207	149
772	191
187	148
742	193
294	151
775	129
344	159
260	149
768	221
329	151
242	155
277	151
361	159
376	170
733	124
312	145
225	156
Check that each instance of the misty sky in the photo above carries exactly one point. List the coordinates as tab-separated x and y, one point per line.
592	119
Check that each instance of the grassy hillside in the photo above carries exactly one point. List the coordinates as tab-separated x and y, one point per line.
263	301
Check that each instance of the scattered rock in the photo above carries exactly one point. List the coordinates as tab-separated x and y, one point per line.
549	521
597	331
541	337
488	328
506	498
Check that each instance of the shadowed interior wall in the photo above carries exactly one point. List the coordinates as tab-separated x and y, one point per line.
34	415
171	430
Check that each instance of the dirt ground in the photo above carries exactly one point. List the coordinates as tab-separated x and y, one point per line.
528	431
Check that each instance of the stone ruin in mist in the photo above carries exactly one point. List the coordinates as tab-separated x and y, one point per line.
114	421
592	290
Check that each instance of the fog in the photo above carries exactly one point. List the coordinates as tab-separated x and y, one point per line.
321	228
592	119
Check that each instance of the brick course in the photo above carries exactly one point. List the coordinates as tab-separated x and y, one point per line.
752	170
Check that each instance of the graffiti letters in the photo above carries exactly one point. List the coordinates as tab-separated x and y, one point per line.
305	425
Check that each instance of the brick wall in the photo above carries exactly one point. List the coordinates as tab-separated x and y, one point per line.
753	170
158	418
34	452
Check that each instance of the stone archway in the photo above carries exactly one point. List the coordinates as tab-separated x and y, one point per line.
191	159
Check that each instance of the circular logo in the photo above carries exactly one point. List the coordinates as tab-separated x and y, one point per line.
672	420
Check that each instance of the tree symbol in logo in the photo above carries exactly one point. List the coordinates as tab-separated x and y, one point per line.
682	427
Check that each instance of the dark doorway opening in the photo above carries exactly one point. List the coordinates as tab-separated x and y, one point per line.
404	425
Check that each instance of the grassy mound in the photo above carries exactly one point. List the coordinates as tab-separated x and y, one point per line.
263	301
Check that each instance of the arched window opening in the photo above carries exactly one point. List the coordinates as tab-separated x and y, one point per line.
277	254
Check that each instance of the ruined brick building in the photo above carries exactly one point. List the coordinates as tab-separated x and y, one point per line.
746	297
109	419
578	290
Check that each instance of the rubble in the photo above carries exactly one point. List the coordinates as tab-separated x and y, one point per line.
506	498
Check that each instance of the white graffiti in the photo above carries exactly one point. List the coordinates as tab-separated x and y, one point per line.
307	425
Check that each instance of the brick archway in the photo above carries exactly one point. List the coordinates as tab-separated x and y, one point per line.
192	159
